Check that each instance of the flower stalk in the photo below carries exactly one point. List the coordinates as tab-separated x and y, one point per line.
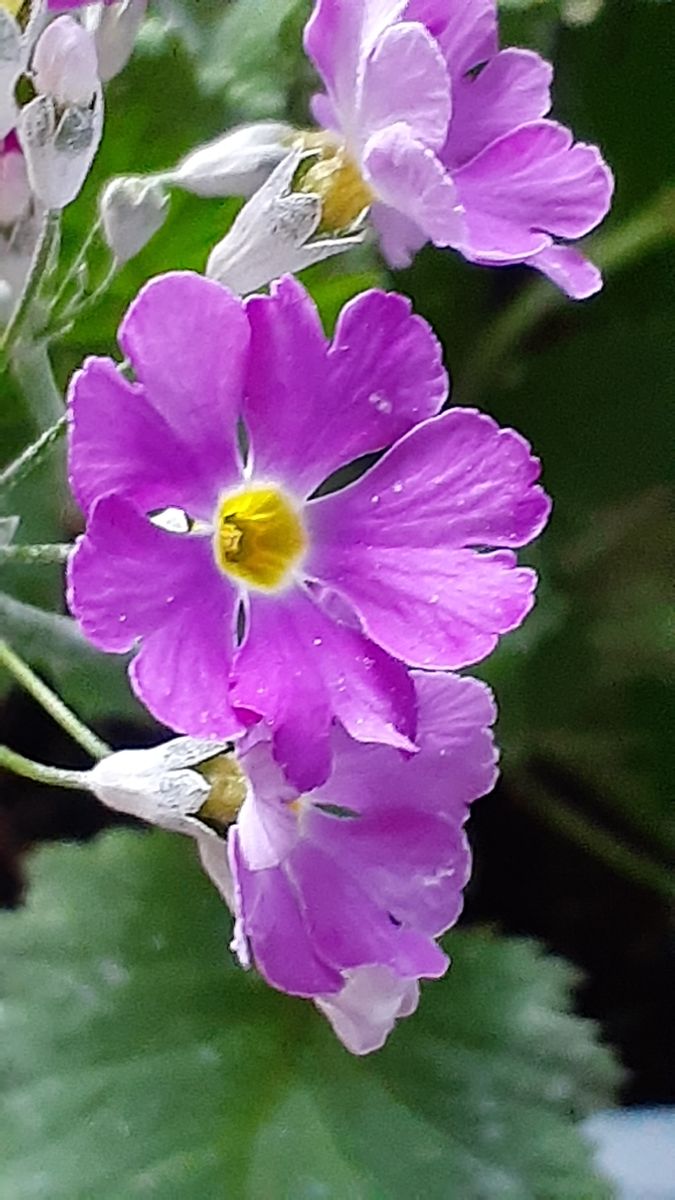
30	458
52	703
40	773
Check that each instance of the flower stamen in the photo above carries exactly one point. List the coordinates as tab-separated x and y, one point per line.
259	537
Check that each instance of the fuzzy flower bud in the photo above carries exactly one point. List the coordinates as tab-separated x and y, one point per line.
11	64
64	63
236	164
114	28
132	211
188	785
274	234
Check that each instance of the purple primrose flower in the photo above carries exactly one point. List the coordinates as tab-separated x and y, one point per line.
445	135
206	545
340	893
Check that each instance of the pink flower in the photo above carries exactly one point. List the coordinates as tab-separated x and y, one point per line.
449	136
339	894
251	597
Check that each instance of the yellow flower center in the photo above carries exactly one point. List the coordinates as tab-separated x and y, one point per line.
335	178
12	6
259	537
228	792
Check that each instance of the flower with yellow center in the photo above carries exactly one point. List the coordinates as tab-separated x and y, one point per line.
259	537
332	174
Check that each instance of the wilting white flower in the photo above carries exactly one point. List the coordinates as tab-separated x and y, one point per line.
236	164
132	208
276	232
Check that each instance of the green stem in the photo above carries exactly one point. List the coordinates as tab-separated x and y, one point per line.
42	260
78	261
39	773
33	373
32	456
55	552
614	250
52	703
623	860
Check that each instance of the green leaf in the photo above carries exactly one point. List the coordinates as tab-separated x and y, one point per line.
138	1060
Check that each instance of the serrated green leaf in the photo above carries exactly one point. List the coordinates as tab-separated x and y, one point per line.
138	1060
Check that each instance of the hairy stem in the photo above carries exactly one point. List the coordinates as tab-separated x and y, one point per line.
55	552
32	456
54	776
52	703
42	261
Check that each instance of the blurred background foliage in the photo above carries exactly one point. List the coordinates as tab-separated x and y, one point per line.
136	1060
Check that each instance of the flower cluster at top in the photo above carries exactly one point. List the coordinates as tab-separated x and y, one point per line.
295	538
313	621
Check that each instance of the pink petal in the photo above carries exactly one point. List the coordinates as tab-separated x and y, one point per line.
118	442
512	89
347	929
569	270
400	238
396	542
187	339
406	175
282	947
127	580
298	668
470	36
311	409
531	183
338	36
407	845
405	79
364	1012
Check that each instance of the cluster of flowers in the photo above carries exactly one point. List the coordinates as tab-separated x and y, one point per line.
297	609
47	144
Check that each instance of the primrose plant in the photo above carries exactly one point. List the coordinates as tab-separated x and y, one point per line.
297	540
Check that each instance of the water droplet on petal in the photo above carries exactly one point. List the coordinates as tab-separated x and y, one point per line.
317	641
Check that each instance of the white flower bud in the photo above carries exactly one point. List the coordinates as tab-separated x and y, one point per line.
236	164
162	786
132	210
64	63
272	235
11	65
59	146
114	28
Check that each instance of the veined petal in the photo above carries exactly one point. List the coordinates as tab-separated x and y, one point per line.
187	339
513	88
380	376
129	580
119	442
364	1012
270	907
396	542
531	183
569	270
405	79
470	34
406	175
298	668
347	928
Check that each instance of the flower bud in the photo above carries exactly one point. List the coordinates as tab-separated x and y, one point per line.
64	63
188	785
114	28
132	210
11	65
236	164
59	146
272	235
